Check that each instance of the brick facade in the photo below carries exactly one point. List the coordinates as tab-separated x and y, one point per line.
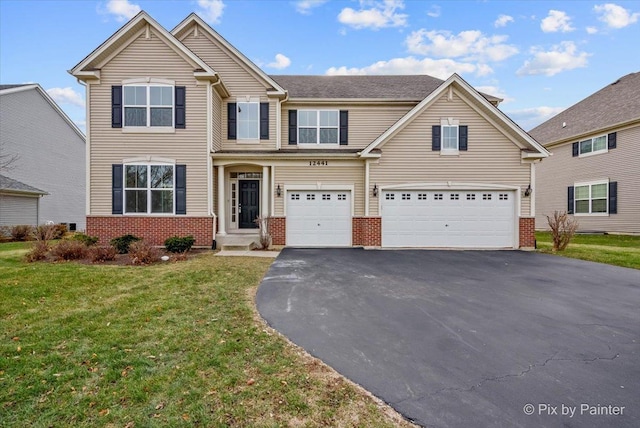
366	231
278	230
527	232
154	230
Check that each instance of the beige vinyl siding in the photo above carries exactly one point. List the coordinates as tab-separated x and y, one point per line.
366	122
556	173
240	82
336	173
491	157
148	58
216	120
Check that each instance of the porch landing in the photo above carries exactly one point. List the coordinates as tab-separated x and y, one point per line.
238	242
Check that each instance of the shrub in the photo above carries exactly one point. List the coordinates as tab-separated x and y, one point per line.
21	232
85	239
123	242
264	223
102	253
562	228
69	250
59	230
38	252
46	232
176	244
5	233
142	253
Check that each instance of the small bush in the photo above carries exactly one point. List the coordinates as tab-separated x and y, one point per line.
123	242
38	252
59	230
102	253
69	250
46	232
176	244
85	239
21	232
142	253
5	233
562	228
264	223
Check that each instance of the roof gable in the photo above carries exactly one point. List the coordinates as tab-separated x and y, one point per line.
14	186
481	104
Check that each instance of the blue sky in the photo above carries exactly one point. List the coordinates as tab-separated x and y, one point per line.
540	56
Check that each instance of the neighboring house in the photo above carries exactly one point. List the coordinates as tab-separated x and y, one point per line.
19	203
594	170
49	152
187	136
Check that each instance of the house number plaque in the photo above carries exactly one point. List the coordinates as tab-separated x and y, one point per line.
318	163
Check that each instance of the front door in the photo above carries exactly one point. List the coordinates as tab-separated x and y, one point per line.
249	203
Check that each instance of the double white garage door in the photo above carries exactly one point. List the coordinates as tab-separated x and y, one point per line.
410	218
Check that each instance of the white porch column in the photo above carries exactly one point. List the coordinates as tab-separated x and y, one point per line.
221	205
265	185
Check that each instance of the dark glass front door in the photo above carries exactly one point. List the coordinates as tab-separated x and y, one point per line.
249	204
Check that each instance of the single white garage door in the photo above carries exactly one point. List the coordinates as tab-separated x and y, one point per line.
319	218
448	218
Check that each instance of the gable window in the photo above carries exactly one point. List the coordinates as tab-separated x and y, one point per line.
591	198
248	120
148	105
318	126
450	138
149	189
593	145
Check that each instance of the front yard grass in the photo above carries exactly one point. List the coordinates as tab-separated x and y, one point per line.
175	344
618	250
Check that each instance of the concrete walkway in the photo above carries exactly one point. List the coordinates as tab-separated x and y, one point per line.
250	253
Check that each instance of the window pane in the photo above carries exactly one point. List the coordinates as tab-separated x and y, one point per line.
582	207
328	135
585	146
328	118
308	118
450	137
161	95
308	136
135	95
135	116
136	176
599	206
582	192
599	143
598	191
136	201
248	121
162	176
161	116
162	201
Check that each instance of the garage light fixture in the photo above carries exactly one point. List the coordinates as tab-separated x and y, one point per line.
528	191
375	191
278	191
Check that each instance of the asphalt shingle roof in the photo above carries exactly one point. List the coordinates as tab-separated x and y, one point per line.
618	102
3	87
7	183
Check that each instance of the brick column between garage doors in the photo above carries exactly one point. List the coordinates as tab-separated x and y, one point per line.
527	231
366	231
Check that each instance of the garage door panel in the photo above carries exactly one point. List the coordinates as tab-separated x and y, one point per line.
319	218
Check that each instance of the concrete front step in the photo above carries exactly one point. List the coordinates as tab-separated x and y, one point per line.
238	242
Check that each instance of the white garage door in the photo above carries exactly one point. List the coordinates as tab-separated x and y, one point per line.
319	218
448	218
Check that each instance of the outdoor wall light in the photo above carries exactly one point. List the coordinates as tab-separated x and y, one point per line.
528	191
278	191
375	190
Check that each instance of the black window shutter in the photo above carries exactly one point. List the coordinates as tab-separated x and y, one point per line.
570	200
180	106
116	106
116	189
232	109
435	138
613	197
611	138
462	137
293	126
264	121
344	127
181	189
574	149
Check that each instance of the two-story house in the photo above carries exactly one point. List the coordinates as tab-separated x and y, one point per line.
594	173
185	135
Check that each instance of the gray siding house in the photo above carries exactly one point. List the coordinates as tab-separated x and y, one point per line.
594	170
49	152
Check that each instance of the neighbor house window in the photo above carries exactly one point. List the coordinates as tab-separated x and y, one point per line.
450	138
591	198
148	105
148	189
248	121
318	126
593	145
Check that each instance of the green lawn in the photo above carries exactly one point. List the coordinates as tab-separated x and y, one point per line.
619	250
174	344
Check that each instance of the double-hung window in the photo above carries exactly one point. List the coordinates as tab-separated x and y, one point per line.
449	138
248	120
318	126
149	189
148	105
591	198
593	145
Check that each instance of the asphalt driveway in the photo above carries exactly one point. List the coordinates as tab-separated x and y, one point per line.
468	338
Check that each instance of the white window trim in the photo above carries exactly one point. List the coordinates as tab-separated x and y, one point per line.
148	188
318	127
592	152
449	122
247	100
149	82
590	214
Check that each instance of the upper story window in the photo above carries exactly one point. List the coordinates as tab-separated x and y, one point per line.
450	138
318	126
248	120
149	189
148	105
593	145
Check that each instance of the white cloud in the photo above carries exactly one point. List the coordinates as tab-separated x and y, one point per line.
380	14
305	6
441	68
434	11
280	63
66	96
502	21
495	91
211	10
615	16
562	57
592	30
471	45
121	9
557	20
529	118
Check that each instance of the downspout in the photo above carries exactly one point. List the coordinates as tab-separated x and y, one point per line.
87	151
